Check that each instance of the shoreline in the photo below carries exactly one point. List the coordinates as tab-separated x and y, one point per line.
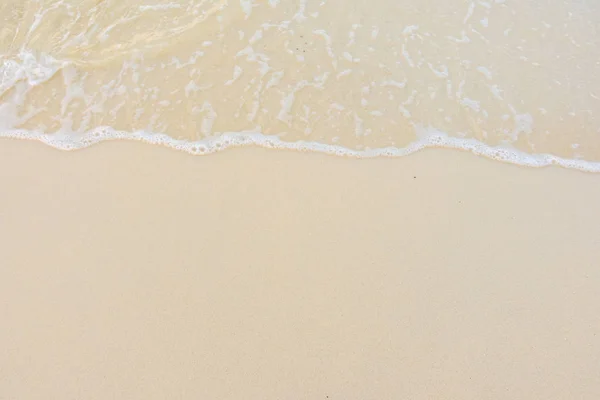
431	139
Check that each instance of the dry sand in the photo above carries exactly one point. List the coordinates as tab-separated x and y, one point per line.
136	272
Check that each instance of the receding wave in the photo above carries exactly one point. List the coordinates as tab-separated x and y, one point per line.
515	81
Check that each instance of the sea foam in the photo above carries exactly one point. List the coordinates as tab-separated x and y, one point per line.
428	138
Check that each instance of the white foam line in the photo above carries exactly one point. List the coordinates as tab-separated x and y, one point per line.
469	12
428	138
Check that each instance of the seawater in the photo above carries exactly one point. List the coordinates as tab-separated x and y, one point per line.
514	80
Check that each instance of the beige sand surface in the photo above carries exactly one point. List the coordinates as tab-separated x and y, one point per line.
136	272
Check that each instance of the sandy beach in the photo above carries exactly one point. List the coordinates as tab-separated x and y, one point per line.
300	199
132	271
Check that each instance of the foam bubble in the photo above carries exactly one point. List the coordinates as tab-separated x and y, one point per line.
428	137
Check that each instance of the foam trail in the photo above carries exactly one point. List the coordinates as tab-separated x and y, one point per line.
429	138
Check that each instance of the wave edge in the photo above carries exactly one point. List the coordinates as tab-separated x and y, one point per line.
428	138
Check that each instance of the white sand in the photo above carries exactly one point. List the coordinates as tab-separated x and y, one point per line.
135	272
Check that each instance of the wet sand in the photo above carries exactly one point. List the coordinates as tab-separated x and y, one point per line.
130	271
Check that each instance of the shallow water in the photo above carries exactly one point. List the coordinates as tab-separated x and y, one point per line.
513	80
